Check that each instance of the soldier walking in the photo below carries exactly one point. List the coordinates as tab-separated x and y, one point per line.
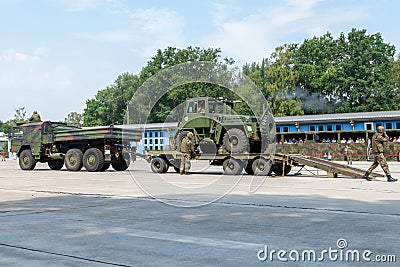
187	149
379	141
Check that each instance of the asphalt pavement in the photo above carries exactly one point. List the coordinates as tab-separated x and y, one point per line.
139	218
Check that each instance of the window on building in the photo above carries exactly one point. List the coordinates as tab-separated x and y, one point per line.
338	127
156	141
156	148
388	126
278	129
155	134
368	126
151	141
150	134
285	129
145	134
329	128
161	134
397	125
312	128
161	141
320	128
145	141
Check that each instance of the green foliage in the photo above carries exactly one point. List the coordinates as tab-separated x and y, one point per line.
6	127
74	119
108	107
352	73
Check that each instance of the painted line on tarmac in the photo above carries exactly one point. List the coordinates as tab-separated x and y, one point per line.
210	242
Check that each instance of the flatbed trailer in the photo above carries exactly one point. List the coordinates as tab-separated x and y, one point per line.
254	164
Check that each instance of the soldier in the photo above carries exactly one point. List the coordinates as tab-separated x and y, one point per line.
187	149
349	154
379	140
35	117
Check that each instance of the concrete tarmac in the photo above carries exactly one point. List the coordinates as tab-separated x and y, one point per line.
139	218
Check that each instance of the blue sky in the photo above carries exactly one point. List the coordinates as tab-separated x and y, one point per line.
56	54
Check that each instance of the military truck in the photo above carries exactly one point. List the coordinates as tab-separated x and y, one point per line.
224	138
95	148
217	129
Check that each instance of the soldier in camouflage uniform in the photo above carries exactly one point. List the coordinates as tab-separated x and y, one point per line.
349	154
35	117
379	141
187	149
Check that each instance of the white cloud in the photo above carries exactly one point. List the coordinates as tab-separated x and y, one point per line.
256	35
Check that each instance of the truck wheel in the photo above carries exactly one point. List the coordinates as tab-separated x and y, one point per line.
93	159
236	141
105	167
277	169
249	168
56	164
122	164
232	167
73	159
261	166
159	165
26	160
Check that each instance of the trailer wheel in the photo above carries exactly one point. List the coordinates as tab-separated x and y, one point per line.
56	164
277	169
232	166
261	166
105	167
93	160
26	160
74	159
159	165
236	141
122	164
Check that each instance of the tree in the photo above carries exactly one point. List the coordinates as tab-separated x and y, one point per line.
351	71
395	74
108	107
74	118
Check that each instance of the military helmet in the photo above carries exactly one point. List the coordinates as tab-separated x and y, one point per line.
380	129
189	134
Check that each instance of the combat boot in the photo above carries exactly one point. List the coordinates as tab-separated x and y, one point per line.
391	179
366	176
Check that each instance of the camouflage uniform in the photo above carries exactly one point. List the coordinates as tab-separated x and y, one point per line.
187	150
349	155
35	117
379	140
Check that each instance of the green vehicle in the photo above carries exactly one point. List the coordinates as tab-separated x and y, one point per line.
95	148
235	142
218	130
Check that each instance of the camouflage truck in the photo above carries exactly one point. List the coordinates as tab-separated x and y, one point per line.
95	148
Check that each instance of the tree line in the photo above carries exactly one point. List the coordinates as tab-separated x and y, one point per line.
357	72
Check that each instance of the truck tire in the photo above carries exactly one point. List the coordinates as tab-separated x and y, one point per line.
159	165
56	164
93	159
122	164
261	166
235	141
232	166
267	128
26	160
73	160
